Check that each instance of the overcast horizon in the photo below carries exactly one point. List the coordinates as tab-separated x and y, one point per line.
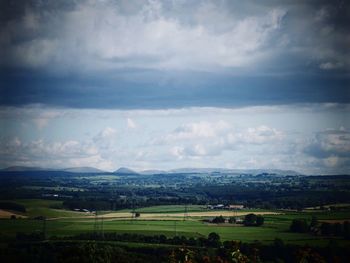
173	84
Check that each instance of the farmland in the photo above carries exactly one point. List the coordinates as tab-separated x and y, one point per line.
165	220
142	212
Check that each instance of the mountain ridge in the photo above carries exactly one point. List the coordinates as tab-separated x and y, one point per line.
80	169
125	170
83	169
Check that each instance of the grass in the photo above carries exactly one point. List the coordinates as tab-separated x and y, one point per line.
42	207
276	226
273	228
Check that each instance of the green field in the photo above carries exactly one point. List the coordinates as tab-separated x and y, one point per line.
41	207
71	223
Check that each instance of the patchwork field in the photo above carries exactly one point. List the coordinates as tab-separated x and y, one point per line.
180	216
170	222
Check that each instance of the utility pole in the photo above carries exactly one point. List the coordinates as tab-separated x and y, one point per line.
186	212
102	230
44	227
133	209
175	231
98	225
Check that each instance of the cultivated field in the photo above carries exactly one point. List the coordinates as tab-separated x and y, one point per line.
8	214
155	221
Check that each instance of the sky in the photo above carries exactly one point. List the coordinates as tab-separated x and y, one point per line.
172	84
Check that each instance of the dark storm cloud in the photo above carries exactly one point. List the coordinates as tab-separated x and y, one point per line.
171	90
331	143
165	54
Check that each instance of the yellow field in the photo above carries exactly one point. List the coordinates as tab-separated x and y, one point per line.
167	216
179	216
8	214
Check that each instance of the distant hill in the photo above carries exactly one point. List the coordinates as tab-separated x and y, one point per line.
68	170
199	170
83	169
23	169
235	171
125	171
150	172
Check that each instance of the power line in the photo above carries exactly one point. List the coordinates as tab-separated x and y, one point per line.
98	225
186	212
44	227
175	231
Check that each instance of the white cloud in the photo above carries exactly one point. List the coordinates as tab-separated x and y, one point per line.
213	138
332	161
177	151
331	65
15	142
258	135
106	139
131	123
42	119
148	38
108	132
198	137
201	35
196	130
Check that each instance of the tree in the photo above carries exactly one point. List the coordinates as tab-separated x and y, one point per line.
313	222
218	220
326	229
278	243
259	220
250	220
214	239
299	226
338	229
232	220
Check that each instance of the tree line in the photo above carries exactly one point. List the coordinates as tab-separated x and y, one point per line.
321	228
249	220
214	250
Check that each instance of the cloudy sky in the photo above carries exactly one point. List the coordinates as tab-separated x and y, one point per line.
169	84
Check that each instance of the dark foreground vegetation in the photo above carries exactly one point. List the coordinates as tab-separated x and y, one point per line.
321	228
113	247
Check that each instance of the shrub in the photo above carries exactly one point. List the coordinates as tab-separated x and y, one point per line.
299	226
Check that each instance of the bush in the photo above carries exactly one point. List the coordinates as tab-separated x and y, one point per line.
250	220
260	220
253	220
232	220
299	226
218	220
214	239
